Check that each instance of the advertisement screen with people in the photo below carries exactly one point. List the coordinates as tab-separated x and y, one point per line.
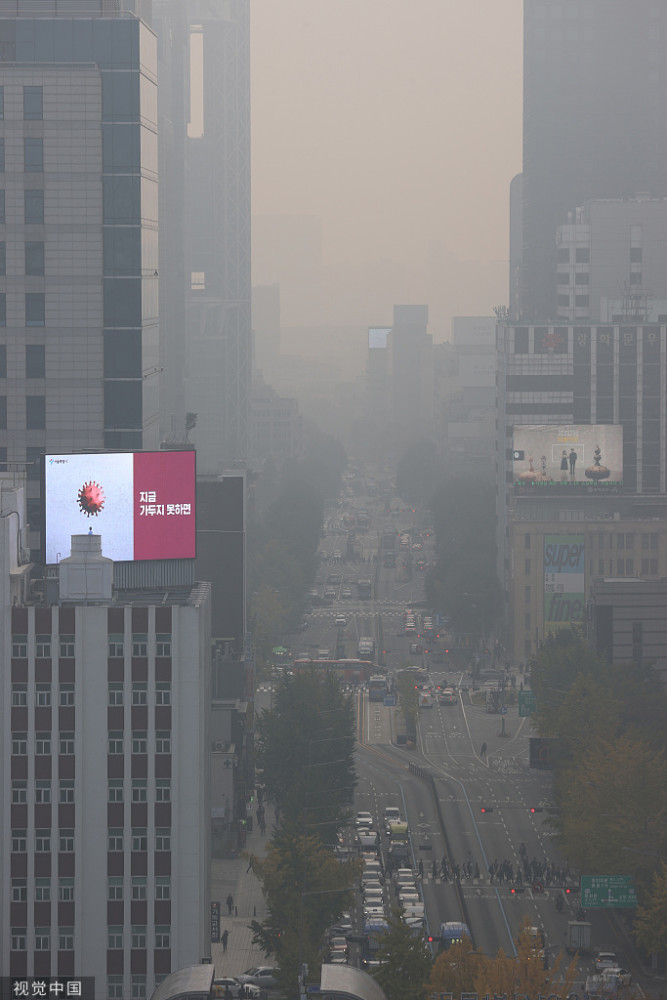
568	457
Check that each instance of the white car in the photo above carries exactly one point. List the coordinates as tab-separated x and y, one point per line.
605	960
363	819
260	975
341	621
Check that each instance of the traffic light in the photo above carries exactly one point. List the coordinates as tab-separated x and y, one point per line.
517	888
487	809
536	809
567	891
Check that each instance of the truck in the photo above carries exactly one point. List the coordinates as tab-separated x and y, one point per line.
578	936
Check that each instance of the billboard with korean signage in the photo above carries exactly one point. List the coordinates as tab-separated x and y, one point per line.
564	587
572	458
141	503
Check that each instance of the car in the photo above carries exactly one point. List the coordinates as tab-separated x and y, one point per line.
346	593
330	594
343	925
260	975
368	838
373	911
341	621
623	977
363	819
605	960
230	986
338	942
373	897
447	697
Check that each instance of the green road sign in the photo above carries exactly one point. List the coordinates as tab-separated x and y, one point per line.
527	703
607	892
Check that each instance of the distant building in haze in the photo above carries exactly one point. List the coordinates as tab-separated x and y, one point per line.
594	122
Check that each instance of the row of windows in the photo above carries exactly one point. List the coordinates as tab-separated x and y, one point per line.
34	309
33	103
139	742
42	792
43	841
115	989
624	540
138	937
580	278
115	889
33	258
116	792
582	255
42	695
43	939
139	839
43	743
116	694
116	642
580	301
35	360
33	155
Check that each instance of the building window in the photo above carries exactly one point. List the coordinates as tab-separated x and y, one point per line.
43	744
115	841
526	567
43	648
19	939
563	255
138	936
19	793
582	255
66	796
139	644
42	890
115	695
116	646
635	255
20	646
115	742
66	939
67	646
115	791
563	277
114	938
139	694
35	365
635	277
33	208
19	695
163	839
138	888
35	413
3	413
600	567
34	257
163	790
163	694
33	155
139	790
43	793
32	103
581	301
138	988
139	742
630	540
42	841
66	744
66	695
162	937
43	696
163	644
526	540
19	744
139	839
162	888
2	102
582	278
526	593
42	939
163	741
19	841
3	258
115	890
19	890
66	890
35	308
115	988
66	841
629	567
2	207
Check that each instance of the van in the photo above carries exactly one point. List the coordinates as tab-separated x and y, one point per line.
392	814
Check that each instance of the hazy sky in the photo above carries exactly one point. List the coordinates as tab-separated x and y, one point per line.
398	125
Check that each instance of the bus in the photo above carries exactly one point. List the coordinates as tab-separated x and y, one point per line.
453	932
377	687
366	647
364	590
351	671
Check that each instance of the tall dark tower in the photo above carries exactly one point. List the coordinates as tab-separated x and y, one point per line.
204	113
594	121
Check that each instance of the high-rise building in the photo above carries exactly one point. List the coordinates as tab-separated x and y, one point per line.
79	345
594	122
204	111
104	749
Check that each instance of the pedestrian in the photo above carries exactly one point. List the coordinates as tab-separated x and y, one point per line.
224	937
230	903
421	868
251	861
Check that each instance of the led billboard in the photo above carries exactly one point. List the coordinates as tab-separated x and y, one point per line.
564	589
566	457
141	503
378	337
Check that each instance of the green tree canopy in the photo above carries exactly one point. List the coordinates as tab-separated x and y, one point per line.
406	961
651	919
305	746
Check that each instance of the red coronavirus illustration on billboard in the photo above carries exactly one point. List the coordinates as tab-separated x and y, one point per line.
91	499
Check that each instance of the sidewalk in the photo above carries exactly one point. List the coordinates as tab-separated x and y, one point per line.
232	877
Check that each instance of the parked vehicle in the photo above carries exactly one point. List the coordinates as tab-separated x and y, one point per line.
260	975
578	936
236	988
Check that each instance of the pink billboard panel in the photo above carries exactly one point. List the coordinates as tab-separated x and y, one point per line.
164	505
